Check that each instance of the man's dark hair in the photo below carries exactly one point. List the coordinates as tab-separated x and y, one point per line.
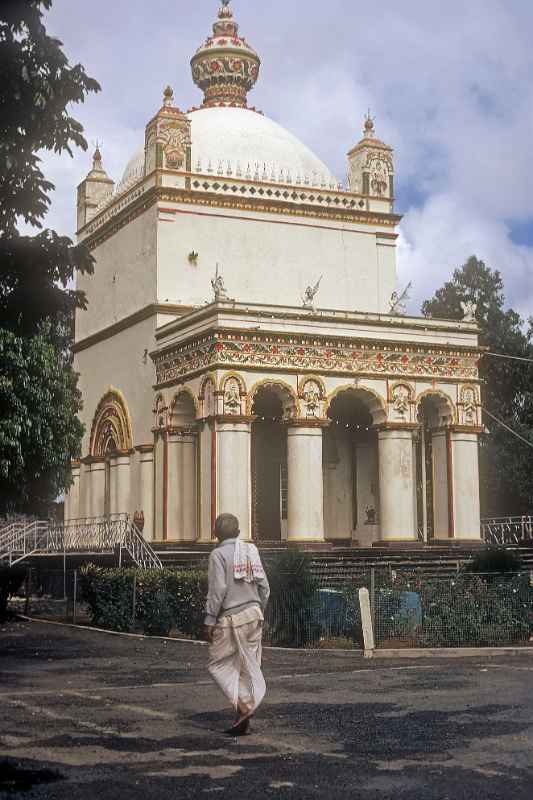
226	527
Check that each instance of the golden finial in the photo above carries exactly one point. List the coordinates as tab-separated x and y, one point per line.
168	97
369	128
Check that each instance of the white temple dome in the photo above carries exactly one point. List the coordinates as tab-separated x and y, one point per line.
244	141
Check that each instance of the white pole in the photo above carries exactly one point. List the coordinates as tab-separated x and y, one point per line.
366	620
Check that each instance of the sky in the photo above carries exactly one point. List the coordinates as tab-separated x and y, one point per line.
450	85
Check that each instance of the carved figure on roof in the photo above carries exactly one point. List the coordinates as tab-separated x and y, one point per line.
219	288
398	301
469	311
310	294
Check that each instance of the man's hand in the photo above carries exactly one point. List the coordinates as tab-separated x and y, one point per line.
209	633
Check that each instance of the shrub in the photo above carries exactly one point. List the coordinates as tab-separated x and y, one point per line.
497	560
163	599
292	614
109	595
469	610
11	579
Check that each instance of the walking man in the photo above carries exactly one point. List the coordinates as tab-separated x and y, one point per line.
237	598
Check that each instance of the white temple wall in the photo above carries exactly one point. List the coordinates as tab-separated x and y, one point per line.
287	256
118	363
124	279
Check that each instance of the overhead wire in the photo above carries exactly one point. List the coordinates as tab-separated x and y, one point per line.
511	358
507	428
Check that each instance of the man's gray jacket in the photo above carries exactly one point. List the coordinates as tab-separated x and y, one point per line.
226	595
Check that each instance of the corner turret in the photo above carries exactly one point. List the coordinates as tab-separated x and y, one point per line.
371	165
96	188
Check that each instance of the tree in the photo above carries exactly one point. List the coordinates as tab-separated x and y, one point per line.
507	392
39	429
37	303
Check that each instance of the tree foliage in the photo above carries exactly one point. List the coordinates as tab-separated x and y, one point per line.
39	429
38	389
507	391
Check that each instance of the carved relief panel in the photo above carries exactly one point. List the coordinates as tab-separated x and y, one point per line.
232	397
401	398
312	396
468	406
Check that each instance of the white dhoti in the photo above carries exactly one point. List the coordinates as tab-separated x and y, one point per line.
235	658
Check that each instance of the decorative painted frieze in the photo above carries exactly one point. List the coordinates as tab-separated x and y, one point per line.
291	353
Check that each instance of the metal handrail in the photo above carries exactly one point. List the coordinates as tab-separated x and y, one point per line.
507	530
98	535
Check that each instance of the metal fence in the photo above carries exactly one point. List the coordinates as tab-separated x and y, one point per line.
407	610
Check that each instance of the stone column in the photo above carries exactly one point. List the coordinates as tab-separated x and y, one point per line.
305	481
182	484
465	483
146	488
97	487
397	507
207	468
72	497
120	489
85	488
233	470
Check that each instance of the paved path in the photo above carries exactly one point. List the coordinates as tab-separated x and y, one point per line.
97	716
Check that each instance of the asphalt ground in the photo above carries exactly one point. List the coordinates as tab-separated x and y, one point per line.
89	716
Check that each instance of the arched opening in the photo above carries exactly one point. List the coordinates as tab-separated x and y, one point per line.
111	436
269	464
183	411
350	466
433	465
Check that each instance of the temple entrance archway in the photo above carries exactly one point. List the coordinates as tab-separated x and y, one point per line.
433	480
350	467
269	463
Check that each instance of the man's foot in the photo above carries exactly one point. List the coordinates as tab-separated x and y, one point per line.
240	727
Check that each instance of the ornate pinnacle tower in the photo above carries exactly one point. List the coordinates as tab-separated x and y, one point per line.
225	67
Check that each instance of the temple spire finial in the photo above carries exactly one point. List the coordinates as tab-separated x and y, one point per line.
369	127
168	97
225	67
97	157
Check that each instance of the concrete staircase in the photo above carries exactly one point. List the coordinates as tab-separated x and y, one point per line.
338	564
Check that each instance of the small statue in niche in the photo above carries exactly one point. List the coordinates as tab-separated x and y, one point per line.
371	516
232	397
398	301
310	294
138	520
469	311
219	288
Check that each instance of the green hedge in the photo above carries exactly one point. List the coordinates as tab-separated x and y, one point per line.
164	599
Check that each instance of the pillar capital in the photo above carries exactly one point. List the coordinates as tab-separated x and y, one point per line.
395	427
474	430
145	448
90	460
235	419
307	422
